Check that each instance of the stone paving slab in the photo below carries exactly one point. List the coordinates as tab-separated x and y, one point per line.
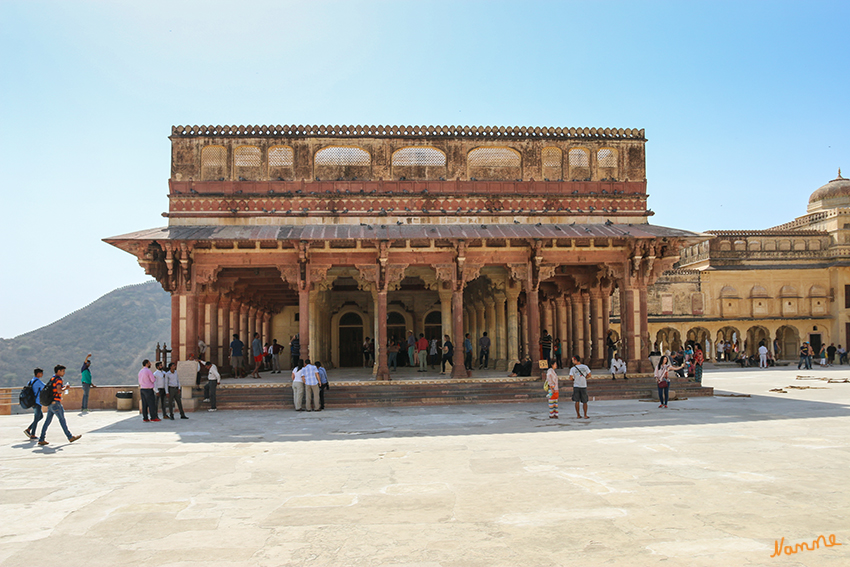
709	481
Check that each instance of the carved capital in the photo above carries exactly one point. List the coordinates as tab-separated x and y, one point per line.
545	272
317	273
519	272
470	272
445	272
393	274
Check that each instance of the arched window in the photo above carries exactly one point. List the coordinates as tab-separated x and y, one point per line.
281	156
342	156
606	158
213	163
579	158
551	159
418	156
395	318
246	162
350	320
434	318
493	157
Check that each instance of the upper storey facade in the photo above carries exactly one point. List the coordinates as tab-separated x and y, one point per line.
410	173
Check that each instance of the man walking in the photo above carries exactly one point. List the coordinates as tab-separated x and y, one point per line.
147	381
37	385
257	352
484	351
85	380
236	356
214	379
172	382
579	374
55	407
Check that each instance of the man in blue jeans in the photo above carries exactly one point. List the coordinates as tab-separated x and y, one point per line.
55	408
37	385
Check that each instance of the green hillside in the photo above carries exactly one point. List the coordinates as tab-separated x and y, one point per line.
120	330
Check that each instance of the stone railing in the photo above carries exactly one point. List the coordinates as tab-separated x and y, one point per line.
411	131
101	397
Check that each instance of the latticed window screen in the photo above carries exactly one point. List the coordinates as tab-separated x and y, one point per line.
493	157
342	155
578	158
246	156
551	157
213	156
281	156
419	156
606	158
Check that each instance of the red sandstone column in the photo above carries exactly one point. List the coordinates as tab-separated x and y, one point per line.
190	346
524	321
201	326
588	340
578	324
223	331
304	322
458	369
568	349
606	323
501	338
629	322
643	338
381	340
211	331
561	304
533	308
267	328
244	329
597	354
175	327
512	294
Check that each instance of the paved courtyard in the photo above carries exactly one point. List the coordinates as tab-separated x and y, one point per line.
712	481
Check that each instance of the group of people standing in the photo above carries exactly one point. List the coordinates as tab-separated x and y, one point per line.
309	383
160	388
258	356
579	374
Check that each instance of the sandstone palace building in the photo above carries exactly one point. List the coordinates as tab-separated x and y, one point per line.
338	233
783	285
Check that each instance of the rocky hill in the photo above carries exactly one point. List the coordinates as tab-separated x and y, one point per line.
120	330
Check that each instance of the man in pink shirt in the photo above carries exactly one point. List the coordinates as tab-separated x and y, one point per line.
146	384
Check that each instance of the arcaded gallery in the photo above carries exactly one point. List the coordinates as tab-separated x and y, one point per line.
338	233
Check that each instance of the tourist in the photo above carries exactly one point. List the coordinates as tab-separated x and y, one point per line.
842	355
202	347
434	353
160	392
822	355
762	355
392	355
545	345
147	381
213	380
365	349
830	354
662	379
804	353
721	346
55	408
267	357
323	383
236	355
37	385
699	358
579	374
172	382
298	385
85	380
483	351
257	353
311	385
411	348
556	351
810	352
611	344
522	368
448	353
294	351
776	350
422	352
467	352
618	366
552	389
276	349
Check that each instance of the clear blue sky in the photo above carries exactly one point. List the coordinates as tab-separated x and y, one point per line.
745	104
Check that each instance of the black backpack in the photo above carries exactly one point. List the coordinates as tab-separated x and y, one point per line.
46	396
27	396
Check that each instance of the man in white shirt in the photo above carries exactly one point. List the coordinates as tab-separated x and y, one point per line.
159	389
618	366
579	374
298	385
311	385
762	356
172	382
214	380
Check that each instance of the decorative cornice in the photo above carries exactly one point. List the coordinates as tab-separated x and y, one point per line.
769	232
498	132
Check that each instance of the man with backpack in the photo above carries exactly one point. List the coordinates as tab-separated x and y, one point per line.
51	399
35	386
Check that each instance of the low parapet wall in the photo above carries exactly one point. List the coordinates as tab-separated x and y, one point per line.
100	397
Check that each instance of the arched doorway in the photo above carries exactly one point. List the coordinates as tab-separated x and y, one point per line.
668	338
732	340
350	340
395	327
755	335
788	341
